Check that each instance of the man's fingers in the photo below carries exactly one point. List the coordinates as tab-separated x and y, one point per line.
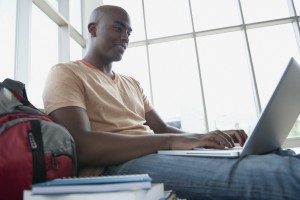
224	138
239	136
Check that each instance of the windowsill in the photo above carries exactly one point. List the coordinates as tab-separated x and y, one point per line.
296	149
292	143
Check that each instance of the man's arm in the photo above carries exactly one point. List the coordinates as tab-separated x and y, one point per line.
159	126
154	121
102	148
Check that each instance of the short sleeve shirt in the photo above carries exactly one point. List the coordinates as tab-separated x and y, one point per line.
117	105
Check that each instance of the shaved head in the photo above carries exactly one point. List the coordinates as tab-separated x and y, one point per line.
109	27
104	11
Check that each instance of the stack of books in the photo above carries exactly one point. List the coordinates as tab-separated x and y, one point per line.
126	187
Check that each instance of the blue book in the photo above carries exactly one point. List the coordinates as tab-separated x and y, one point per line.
93	184
156	192
96	180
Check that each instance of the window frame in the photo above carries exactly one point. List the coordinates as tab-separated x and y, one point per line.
67	31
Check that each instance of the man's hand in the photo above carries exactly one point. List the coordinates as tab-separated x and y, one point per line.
214	139
238	136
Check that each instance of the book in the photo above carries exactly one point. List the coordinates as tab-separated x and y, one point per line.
155	192
93	184
171	195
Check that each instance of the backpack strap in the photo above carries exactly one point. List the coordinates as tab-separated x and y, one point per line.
18	89
16	86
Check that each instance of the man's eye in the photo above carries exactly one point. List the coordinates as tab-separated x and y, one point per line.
119	29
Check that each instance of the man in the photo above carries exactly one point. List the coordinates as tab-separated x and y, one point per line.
117	130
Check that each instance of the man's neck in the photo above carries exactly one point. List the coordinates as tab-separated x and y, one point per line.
103	67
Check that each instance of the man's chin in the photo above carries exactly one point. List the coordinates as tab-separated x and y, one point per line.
118	58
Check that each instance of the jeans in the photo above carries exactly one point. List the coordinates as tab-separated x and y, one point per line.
271	176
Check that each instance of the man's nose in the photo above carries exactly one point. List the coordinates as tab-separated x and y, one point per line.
125	36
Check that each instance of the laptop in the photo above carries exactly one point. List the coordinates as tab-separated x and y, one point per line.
273	125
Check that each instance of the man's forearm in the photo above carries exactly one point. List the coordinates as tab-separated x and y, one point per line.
102	149
172	129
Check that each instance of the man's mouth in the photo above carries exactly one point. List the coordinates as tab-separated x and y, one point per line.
124	46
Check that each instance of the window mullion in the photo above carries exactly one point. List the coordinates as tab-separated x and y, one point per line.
295	23
23	38
64	32
199	71
250	61
147	51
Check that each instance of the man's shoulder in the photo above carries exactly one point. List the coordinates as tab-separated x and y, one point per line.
128	78
70	64
131	81
74	67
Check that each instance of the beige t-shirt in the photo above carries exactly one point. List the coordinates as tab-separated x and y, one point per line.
117	105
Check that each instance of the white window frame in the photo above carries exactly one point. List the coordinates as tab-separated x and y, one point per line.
67	31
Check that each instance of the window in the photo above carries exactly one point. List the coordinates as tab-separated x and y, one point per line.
297	6
47	46
227	85
7	38
261	10
217	58
176	86
271	49
207	15
75	50
75	14
193	58
44	53
168	17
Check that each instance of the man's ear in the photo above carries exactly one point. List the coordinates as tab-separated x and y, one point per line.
92	29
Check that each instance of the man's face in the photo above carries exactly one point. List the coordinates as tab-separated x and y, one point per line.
112	35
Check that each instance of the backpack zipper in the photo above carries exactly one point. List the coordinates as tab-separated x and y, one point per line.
54	163
37	148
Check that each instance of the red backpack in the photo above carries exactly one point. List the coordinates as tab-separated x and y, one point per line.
33	148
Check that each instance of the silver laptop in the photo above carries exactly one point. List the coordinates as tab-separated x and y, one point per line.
273	125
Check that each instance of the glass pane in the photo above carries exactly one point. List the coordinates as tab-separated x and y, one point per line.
7	38
168	17
44	53
176	85
75	50
297	6
271	49
295	132
226	81
75	14
135	11
261	10
134	64
207	14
